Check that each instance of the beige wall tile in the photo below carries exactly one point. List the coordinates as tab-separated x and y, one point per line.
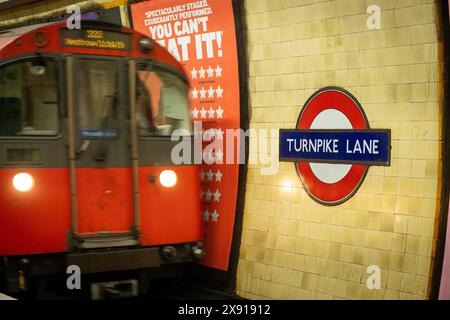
295	248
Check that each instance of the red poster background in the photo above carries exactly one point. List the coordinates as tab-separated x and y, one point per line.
210	70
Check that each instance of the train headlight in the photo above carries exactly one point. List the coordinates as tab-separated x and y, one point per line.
23	182
38	70
38	66
168	178
145	44
198	251
169	253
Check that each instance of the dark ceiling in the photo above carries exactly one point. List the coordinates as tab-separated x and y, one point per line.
14	3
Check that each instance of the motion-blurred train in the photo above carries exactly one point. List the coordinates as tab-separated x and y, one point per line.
86	177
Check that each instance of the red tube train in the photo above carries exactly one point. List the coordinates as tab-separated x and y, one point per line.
86	176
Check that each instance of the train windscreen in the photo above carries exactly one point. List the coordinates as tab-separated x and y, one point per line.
162	103
29	98
98	94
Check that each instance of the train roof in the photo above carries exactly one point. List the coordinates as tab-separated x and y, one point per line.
8	36
18	41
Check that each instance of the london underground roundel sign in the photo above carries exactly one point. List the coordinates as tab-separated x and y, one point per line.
333	146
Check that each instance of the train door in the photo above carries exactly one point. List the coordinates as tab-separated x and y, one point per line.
103	205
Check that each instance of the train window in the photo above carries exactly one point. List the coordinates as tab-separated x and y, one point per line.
29	98
97	98
162	103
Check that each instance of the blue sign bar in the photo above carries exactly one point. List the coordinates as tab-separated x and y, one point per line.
100	134
369	147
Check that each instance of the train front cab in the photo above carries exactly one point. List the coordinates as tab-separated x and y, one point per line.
86	173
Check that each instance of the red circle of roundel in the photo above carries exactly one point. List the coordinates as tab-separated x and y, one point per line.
343	101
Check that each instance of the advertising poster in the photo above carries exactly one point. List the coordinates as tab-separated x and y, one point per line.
201	35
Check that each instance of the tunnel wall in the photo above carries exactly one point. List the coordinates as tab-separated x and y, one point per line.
295	248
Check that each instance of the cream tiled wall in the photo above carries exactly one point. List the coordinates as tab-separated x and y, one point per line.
294	248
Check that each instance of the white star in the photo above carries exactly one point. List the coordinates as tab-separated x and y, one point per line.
195	93
206	136
219	92
217	195
210	158
210	175
211	112
212	133
211	92
219	176
194	73
203	113
208	196
219	113
202	73
210	72
203	93
218	71
195	113
202	175
214	216
205	157
206	215
219	156
219	134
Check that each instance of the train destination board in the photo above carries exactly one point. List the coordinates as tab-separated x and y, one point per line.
333	146
95	39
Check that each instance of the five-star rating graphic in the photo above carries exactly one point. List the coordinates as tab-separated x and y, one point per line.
207	113
208	73
210	216
207	95
210	134
209	196
208	176
214	156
